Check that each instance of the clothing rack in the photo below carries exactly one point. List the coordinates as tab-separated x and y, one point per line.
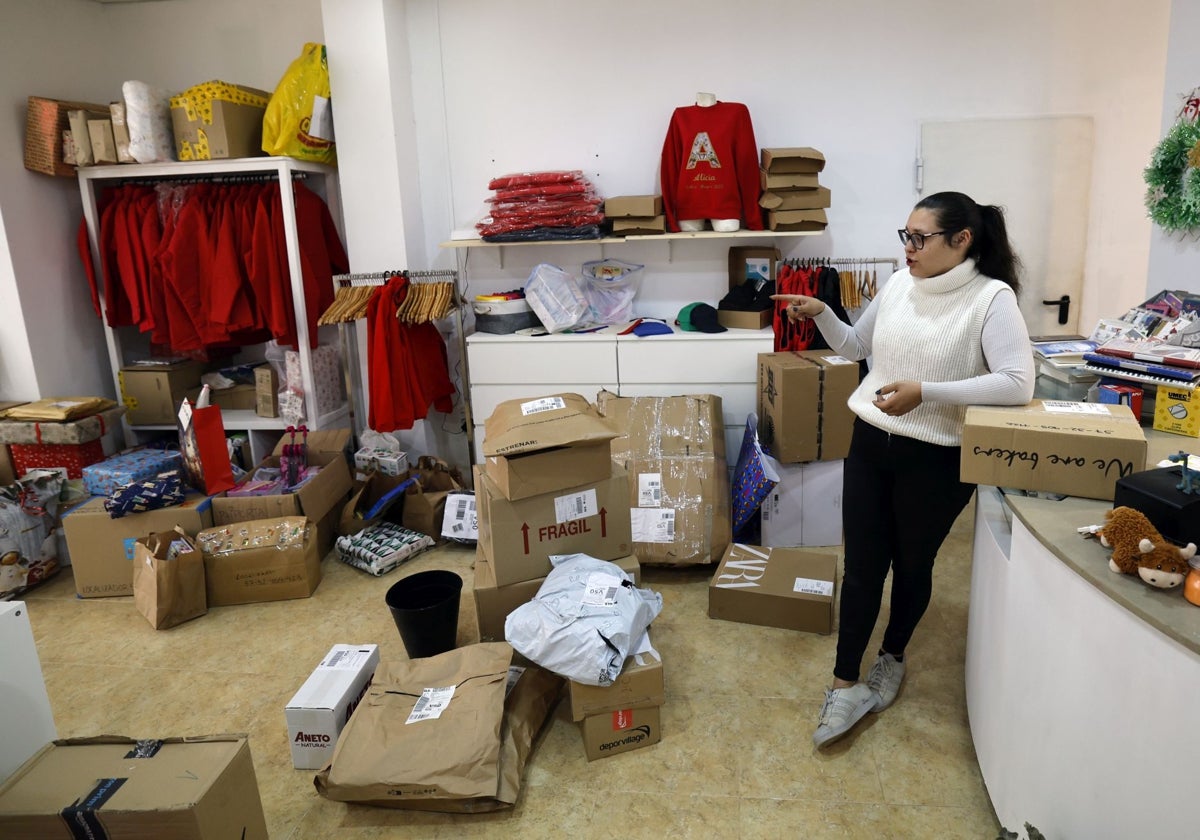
348	332
249	178
856	282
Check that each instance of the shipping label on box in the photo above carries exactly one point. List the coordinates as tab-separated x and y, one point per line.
639	686
1077	449
805	507
616	732
461	521
320	709
519	537
774	587
1177	410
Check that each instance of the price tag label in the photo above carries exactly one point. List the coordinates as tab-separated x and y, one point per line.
431	704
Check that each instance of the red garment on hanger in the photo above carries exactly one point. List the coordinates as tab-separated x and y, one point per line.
793	280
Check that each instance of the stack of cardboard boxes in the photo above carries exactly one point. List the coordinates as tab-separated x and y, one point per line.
625	715
792	197
635	215
805	425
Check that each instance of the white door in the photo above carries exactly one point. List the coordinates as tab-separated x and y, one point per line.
1039	170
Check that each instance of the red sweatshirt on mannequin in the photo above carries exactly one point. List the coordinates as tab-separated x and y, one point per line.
710	166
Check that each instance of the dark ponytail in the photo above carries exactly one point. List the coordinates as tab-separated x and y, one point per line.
990	248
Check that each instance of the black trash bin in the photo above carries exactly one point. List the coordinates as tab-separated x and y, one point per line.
425	609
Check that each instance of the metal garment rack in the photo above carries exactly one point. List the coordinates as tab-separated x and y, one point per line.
348	335
858	262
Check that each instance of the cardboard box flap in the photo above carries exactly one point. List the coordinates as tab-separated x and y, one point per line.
543	423
792	159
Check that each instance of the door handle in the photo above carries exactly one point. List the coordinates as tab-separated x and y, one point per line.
1064	307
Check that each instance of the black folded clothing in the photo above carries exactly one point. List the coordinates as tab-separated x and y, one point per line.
744	298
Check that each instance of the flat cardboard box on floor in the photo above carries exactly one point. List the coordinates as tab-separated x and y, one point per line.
802	411
535	473
193	788
787	180
269	560
639	686
1077	449
804	159
616	732
519	537
517	426
805	507
493	603
102	547
796	220
639	206
152	393
774	587
796	199
321	707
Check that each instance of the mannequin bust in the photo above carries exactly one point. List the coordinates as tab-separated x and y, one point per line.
707	100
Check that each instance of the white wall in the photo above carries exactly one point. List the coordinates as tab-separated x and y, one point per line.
1175	258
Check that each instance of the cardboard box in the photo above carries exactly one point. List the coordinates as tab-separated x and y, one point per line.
734	320
774	587
102	547
120	128
493	603
318	711
805	507
802	411
517	426
787	180
320	499
266	560
218	120
45	123
796	220
193	788
547	470
616	732
674	451
1177	410
78	118
104	145
152	393
237	398
796	199
756	266
389	462
648	226
266	391
1078	449
793	159
519	537
1113	394
93	427
641	206
638	687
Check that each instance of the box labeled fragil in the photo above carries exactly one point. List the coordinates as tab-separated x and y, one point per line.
546	470
639	206
794	159
1077	449
519	537
102	547
639	686
192	788
616	732
268	560
518	426
805	507
1177	410
318	711
774	587
493	603
152	393
802	411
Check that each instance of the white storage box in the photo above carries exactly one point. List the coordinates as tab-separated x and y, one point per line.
316	715
556	296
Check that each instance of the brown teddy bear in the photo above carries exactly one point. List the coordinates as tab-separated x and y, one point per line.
1138	547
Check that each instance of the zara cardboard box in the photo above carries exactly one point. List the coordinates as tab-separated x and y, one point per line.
611	733
199	787
805	507
1077	449
774	587
318	711
802	411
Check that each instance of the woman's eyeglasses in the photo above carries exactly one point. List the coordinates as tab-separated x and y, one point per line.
918	239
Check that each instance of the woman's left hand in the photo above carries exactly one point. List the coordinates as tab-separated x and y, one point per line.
899	398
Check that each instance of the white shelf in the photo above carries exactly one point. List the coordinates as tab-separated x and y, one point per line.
611	240
185	168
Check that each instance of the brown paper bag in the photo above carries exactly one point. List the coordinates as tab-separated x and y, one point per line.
168	579
425	501
469	760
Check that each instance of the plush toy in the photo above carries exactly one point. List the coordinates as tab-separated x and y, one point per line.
1138	547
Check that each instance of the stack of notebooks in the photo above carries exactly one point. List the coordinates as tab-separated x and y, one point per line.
1149	361
1062	358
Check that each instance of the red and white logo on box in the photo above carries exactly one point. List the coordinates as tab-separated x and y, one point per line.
622	719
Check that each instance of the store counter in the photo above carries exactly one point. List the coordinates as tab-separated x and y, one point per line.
1083	686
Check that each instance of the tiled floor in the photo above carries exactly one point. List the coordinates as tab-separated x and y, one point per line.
736	759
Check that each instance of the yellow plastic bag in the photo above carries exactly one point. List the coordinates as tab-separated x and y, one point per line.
299	118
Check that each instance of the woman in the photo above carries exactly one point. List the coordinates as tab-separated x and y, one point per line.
944	333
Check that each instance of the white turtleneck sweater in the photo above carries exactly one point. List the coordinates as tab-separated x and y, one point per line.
960	334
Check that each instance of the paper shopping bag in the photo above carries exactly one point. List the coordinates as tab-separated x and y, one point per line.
168	579
205	452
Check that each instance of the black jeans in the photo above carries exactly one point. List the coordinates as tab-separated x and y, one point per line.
900	498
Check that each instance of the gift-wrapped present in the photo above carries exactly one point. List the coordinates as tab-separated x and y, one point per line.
72	457
137	465
81	430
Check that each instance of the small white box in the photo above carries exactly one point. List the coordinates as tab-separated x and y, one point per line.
460	521
805	507
316	715
375	459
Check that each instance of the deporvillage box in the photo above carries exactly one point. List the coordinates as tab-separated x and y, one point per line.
774	587
639	686
1077	449
318	711
610	733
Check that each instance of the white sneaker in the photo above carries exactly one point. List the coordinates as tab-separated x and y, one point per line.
884	679
843	707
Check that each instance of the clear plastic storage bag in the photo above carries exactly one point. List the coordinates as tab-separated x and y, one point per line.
610	287
556	297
